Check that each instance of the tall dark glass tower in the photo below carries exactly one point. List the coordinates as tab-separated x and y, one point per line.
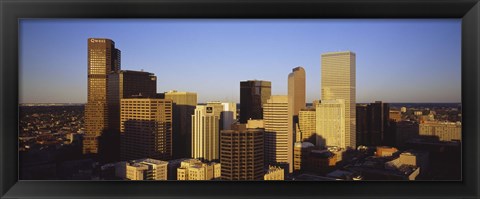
372	123
378	121
103	59
253	94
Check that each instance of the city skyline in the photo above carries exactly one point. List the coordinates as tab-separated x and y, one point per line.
147	117
430	48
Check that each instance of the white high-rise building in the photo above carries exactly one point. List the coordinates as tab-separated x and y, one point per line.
206	131
338	82
330	123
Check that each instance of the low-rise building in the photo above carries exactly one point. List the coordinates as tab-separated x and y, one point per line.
385	151
193	169
274	173
403	166
445	131
344	175
308	158
395	115
142	169
173	165
252	124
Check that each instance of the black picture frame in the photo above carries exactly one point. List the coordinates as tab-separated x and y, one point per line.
11	11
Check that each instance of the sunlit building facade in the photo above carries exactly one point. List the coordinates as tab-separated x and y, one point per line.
274	173
146	128
206	131
103	59
143	169
193	169
339	82
330	125
296	101
444	131
306	127
277	146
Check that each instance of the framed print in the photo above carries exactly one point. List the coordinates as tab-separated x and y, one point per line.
271	99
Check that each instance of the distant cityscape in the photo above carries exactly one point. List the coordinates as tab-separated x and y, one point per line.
128	131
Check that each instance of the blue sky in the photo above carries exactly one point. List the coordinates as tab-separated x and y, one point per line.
406	60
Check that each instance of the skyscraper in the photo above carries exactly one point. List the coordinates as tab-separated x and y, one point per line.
184	104
373	122
296	91
242	153
361	125
277	148
296	98
253	94
296	101
146	128
103	59
330	116
121	85
338	82
206	131
378	121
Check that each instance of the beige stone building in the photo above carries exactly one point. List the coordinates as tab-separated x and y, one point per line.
274	173
275	113
146	128
252	124
206	131
330	123
339	82
193	169
144	169
445	131
306	127
296	101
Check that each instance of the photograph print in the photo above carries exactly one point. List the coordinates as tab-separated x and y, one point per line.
240	99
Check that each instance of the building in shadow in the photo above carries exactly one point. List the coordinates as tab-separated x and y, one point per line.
184	104
372	123
146	128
